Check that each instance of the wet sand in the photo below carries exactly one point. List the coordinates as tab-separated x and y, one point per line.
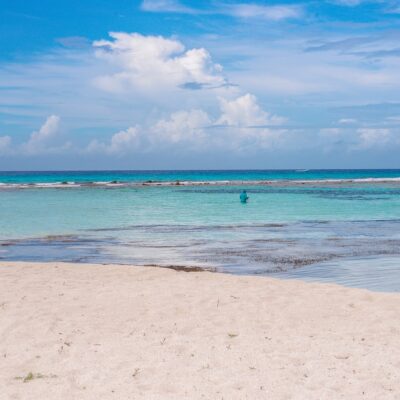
76	331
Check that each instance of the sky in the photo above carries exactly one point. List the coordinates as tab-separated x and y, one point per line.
169	84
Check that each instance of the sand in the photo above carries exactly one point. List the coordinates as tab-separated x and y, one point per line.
73	331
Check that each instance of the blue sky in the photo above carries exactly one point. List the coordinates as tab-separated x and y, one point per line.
154	84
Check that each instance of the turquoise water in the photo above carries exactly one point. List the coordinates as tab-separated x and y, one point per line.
142	176
294	221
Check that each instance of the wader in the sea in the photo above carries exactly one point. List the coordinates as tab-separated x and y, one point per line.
243	197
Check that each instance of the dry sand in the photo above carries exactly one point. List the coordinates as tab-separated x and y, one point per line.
70	331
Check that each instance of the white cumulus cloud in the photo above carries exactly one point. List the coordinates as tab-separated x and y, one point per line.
183	126
248	125
244	111
121	142
241	125
45	140
154	62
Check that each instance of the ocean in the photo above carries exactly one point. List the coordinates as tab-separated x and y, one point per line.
340	226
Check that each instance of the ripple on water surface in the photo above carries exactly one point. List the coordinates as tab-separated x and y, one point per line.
355	253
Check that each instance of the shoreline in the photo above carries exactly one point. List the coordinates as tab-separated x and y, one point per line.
109	331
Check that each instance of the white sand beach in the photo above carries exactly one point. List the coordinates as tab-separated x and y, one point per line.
75	331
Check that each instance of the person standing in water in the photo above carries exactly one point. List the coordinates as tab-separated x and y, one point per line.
244	197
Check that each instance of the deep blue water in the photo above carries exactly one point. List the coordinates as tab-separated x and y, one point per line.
142	176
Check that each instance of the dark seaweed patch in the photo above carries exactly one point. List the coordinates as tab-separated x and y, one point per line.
184	268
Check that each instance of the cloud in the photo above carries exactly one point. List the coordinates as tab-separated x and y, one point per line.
183	126
307	86
342	76
348	3
364	138
78	42
155	63
121	142
389	6
355	3
241	125
171	6
45	139
371	137
393	119
240	10
347	121
395	52
5	143
373	47
343	44
270	13
48	130
244	111
247	126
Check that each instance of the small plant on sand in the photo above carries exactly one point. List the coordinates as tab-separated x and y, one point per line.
31	376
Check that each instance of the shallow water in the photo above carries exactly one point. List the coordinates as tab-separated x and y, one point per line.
374	273
311	230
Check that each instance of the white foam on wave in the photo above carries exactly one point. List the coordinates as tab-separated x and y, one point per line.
272	182
285	182
38	185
